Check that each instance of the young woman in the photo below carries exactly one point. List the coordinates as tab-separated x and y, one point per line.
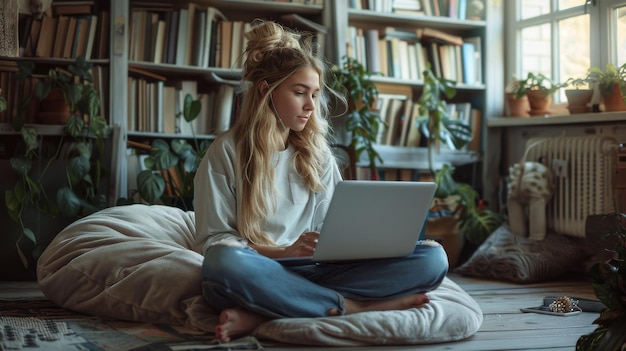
263	188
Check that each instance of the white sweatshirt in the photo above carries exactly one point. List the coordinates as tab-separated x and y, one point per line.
216	199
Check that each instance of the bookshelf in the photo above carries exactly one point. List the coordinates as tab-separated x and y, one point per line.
394	41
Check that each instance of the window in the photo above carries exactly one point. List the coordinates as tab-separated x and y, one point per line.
563	38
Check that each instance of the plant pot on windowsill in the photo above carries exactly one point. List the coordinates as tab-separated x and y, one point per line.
539	101
54	109
578	100
614	101
516	107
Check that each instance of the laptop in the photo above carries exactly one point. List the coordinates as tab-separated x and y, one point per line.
370	220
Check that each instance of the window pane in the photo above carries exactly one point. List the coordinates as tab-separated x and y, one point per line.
535	50
621	35
574	56
533	8
566	4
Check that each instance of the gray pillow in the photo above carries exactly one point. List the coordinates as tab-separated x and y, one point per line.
510	257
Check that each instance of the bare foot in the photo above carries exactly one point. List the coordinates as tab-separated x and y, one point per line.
237	322
400	303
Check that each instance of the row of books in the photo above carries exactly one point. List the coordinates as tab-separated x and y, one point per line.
400	115
195	36
15	90
155	105
65	36
405	54
456	9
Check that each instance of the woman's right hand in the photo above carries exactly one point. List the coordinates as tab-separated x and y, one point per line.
304	246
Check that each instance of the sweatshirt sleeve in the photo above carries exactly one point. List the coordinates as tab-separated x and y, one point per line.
215	196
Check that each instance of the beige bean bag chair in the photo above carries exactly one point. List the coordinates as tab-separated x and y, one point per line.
139	263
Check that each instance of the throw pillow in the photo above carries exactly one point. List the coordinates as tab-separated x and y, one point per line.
510	257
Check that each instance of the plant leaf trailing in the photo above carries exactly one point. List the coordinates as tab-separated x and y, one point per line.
170	168
362	122
436	123
609	284
84	141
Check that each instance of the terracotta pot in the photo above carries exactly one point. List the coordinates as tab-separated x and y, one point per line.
539	102
445	230
578	100
615	101
516	107
53	109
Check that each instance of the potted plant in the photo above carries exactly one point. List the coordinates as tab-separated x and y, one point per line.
77	155
362	123
609	284
170	168
455	215
436	122
516	101
612	84
458	216
579	97
539	89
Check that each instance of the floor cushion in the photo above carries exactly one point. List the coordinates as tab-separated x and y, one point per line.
139	263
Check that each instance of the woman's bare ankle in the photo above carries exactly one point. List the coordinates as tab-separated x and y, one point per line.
399	303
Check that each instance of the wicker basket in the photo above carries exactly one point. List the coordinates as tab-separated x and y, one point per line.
9	45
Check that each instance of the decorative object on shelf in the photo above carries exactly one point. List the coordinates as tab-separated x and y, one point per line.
609	284
539	89
9	46
171	167
515	99
80	151
612	84
362	122
436	123
578	98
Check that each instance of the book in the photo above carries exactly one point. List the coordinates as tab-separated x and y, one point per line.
236	49
72	7
169	109
80	36
69	41
171	19
181	38
190	35
200	40
477	69
226	32
431	34
213	17
60	38
103	35
223	109
159	42
372	50
32	38
414	135
47	35
91	35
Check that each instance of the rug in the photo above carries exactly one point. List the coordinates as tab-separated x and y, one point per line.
39	324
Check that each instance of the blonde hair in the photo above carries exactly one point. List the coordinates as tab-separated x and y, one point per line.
272	55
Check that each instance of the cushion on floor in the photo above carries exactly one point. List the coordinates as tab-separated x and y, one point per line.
139	263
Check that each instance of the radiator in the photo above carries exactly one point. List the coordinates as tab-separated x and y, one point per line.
584	171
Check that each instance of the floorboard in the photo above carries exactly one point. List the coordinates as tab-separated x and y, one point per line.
504	327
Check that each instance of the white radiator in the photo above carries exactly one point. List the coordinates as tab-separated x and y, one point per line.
584	171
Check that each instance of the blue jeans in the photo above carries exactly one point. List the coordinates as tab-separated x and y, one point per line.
235	276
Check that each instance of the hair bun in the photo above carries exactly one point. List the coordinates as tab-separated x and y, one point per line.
265	36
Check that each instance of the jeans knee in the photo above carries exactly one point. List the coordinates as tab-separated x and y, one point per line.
221	263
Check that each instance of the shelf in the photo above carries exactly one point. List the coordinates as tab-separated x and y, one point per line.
438	22
178	72
42	129
155	135
417	157
419	83
600	117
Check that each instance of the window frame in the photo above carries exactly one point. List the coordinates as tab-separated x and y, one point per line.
600	20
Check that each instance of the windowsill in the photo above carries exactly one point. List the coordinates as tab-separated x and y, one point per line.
596	117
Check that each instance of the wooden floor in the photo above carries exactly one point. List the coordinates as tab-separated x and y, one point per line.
504	326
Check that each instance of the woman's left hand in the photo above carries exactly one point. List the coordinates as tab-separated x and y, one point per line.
304	246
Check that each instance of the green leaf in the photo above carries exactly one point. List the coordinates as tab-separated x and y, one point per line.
74	126
30	235
83	149
97	126
163	157
73	94
29	136
77	168
42	89
69	203
151	185
191	108
21	165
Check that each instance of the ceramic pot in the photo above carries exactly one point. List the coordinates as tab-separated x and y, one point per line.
516	107
539	102
578	100
615	101
53	109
